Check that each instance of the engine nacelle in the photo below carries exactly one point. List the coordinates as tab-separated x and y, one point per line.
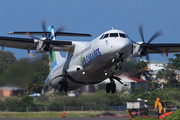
137	51
40	47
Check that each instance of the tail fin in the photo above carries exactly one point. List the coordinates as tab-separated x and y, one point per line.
56	57
54	60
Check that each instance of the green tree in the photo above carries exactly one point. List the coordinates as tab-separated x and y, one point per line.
36	84
25	71
139	90
27	100
169	75
141	69
174	63
6	59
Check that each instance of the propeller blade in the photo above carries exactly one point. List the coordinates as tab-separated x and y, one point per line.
31	36
141	31
147	58
33	54
134	42
157	34
50	52
43	23
62	28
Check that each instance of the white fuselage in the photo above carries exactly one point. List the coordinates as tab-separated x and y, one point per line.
91	63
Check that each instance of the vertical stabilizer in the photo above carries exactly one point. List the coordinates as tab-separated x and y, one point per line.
54	60
56	57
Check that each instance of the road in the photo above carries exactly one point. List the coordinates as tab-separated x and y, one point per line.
95	118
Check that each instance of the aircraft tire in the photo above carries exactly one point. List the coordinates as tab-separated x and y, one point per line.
108	88
113	88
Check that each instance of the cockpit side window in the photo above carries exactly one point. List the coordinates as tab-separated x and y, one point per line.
102	36
122	35
105	36
114	35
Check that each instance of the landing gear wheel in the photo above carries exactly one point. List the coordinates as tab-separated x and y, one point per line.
113	88
108	88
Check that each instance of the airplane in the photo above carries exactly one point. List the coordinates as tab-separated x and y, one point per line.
86	63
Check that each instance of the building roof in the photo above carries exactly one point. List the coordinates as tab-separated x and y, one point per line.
155	72
125	78
11	88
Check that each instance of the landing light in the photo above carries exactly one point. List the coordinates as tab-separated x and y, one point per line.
106	73
83	72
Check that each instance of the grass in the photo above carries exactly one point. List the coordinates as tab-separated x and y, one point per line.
49	114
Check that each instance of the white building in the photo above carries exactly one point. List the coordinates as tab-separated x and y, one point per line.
129	83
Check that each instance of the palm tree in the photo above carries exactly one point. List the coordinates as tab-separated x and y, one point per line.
37	83
141	70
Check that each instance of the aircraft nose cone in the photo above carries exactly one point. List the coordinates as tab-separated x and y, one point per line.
125	45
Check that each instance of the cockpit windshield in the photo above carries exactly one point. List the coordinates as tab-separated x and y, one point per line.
113	35
122	35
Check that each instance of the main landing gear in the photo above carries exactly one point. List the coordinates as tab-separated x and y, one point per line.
112	86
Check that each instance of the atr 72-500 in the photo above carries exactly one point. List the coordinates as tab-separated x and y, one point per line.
86	63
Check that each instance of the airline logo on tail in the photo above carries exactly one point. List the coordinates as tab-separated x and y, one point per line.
52	61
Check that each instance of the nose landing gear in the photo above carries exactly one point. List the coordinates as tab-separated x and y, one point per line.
63	86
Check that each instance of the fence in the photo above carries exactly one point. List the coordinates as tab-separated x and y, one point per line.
81	111
44	111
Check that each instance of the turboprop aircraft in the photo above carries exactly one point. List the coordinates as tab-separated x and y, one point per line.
86	63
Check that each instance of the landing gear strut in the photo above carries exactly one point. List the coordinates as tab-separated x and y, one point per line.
63	86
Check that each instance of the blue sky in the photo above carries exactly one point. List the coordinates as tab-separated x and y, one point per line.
94	17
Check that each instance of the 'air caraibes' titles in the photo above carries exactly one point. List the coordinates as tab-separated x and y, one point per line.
91	56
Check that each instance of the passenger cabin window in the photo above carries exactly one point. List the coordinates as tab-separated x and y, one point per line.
122	35
114	35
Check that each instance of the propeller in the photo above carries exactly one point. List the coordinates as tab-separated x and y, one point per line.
47	42
144	46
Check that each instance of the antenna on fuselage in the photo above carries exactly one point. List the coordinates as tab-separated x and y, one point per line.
112	28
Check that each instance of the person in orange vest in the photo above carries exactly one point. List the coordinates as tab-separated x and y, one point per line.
159	105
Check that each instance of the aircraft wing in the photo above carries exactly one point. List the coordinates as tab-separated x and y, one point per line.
21	43
48	33
31	44
163	48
